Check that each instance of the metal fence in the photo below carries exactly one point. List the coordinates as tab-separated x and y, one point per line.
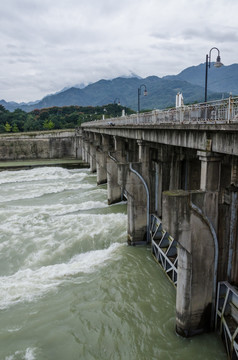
227	317
164	248
219	111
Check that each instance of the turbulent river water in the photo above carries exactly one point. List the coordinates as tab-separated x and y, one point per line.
70	287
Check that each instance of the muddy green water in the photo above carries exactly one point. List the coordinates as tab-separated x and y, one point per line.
70	287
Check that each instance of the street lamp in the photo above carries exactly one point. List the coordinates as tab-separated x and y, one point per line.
139	94
117	101
217	64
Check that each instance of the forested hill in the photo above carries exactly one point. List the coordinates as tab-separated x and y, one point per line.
224	79
66	117
161	91
161	94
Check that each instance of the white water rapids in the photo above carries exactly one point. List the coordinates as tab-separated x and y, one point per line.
70	287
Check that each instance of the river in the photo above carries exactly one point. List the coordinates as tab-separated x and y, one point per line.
70	286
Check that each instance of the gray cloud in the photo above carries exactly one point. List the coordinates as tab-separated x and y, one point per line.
48	44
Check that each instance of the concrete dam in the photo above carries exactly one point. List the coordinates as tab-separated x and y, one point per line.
178	170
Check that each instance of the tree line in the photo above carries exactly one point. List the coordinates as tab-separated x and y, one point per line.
66	117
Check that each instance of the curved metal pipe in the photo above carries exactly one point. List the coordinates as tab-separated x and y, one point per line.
112	157
148	201
216	248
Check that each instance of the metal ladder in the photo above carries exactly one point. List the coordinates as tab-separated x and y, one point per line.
227	317
164	248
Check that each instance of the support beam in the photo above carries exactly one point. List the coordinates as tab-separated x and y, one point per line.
101	159
117	155
137	207
210	171
195	263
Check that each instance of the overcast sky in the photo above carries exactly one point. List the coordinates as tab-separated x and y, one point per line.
46	45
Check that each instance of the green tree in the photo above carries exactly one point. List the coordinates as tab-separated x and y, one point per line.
48	124
7	127
29	124
15	128
2	128
2	109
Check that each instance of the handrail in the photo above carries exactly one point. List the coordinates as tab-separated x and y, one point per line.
213	112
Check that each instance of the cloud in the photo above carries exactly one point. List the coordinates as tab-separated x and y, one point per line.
48	44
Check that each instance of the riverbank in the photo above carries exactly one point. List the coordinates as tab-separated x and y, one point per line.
30	164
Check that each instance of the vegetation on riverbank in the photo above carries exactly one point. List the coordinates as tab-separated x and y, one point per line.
66	117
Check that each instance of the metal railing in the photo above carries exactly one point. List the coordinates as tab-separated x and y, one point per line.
227	317
164	248
218	111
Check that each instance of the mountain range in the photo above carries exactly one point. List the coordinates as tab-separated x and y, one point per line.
161	91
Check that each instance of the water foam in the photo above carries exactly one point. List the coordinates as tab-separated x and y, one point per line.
27	285
40	174
18	192
29	354
43	181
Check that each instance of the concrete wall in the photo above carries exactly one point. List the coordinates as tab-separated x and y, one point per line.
39	145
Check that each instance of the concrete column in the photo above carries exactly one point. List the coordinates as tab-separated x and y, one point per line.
134	177
86	151
78	143
158	189
92	157
136	206
210	182
119	149
175	172
210	171
191	173
232	268
234	171
132	152
101	164
79	148
195	263
114	157
83	152
144	159
101	160
113	189
161	184
152	173
160	162
83	149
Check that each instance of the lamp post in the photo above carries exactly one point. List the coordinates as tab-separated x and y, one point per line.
117	101
217	64
139	94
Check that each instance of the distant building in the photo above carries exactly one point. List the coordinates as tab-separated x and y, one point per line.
179	100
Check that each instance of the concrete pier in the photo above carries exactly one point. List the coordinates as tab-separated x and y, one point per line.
195	282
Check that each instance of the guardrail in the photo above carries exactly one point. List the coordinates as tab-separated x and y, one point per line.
218	111
164	248
227	317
